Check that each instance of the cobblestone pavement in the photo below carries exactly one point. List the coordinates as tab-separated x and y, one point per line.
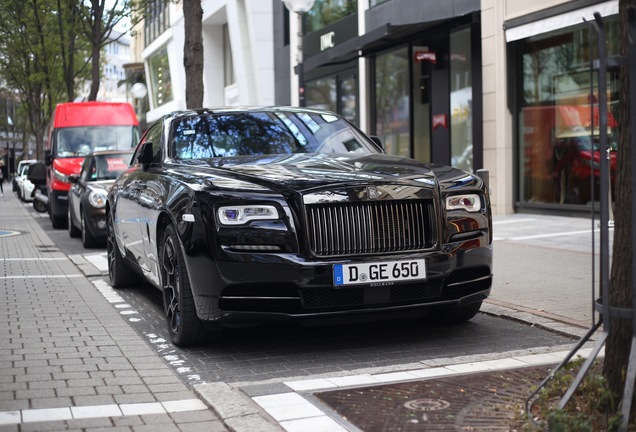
68	359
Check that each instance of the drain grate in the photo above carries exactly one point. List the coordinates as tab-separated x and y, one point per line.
486	401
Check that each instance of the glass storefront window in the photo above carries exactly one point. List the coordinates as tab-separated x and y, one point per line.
348	99
321	94
461	100
229	77
160	84
325	12
558	118
337	93
392	89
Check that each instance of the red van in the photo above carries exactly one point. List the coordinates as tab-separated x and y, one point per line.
77	129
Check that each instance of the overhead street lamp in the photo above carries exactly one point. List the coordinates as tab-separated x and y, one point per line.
300	7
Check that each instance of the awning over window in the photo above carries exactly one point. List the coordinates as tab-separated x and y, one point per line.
348	50
561	21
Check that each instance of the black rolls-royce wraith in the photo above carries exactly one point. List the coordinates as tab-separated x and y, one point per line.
242	216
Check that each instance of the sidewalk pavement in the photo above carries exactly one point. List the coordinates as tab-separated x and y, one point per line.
70	360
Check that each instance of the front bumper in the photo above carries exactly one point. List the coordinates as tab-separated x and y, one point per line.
58	203
249	288
95	220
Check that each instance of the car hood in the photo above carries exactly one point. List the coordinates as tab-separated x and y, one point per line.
101	184
68	166
308	171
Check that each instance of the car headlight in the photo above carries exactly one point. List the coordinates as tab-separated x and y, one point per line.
60	176
97	198
469	202
242	214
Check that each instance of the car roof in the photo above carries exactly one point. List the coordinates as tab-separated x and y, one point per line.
246	109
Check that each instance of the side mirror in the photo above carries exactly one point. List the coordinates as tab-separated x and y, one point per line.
73	178
37	173
145	156
377	141
48	158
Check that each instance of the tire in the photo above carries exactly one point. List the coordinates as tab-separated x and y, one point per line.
119	273
87	238
39	206
58	221
181	317
73	232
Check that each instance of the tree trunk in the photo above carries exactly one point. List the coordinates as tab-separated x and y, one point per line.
97	15
620	331
193	52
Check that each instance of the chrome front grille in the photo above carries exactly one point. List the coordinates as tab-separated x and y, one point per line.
370	227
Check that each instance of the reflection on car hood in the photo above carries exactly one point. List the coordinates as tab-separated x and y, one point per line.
302	171
101	184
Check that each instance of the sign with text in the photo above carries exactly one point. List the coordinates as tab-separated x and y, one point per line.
428	56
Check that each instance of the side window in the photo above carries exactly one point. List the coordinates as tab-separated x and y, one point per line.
153	134
87	169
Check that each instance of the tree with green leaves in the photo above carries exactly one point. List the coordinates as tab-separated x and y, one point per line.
30	60
98	25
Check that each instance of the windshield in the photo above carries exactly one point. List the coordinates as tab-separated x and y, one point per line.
265	133
81	141
109	166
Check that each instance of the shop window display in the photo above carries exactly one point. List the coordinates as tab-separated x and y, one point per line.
558	119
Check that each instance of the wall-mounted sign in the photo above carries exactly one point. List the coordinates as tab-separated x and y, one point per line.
330	36
327	41
440	120
428	56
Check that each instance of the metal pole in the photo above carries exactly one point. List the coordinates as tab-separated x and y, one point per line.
301	78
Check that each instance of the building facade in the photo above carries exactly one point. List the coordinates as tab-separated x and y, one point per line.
502	85
540	109
238	54
405	70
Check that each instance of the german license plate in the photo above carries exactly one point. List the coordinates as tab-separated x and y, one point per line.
378	272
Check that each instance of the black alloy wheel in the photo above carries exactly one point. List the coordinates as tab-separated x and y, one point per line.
183	324
39	206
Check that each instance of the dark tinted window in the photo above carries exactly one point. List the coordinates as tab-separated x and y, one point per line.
263	133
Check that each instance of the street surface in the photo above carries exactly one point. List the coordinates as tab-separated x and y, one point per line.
271	352
541	303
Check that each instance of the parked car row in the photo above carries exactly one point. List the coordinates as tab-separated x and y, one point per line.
21	184
87	196
252	215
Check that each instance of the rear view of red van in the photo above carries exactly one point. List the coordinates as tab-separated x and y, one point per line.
78	129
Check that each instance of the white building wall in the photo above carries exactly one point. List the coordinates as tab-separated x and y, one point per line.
250	26
260	28
498	142
213	94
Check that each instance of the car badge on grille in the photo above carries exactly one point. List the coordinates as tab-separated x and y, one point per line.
372	192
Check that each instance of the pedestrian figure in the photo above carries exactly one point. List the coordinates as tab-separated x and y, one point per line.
1	177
